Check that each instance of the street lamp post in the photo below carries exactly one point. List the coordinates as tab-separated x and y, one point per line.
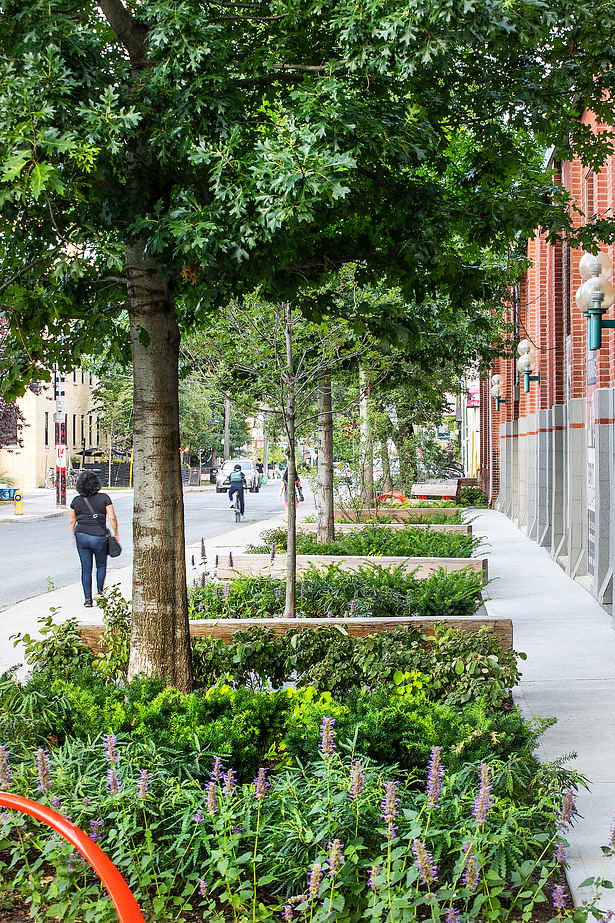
526	364
595	295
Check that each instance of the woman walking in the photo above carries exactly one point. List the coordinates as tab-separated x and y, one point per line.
88	514
284	490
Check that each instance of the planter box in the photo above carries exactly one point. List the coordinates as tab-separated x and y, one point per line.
397	514
359	627
460	529
261	564
434	491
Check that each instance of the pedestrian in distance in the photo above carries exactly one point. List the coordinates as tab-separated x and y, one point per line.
88	513
284	490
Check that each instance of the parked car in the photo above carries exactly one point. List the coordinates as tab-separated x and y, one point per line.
253	478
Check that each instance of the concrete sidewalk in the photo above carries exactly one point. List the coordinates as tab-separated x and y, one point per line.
569	674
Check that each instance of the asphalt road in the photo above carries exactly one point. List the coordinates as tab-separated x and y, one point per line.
38	556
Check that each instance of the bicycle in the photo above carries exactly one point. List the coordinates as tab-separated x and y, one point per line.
71	478
236	507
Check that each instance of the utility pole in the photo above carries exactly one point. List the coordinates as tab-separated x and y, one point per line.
59	393
227	429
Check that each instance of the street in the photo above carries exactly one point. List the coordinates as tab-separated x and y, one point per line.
38	556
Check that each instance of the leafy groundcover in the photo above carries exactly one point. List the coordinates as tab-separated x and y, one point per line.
413	795
384	592
377	540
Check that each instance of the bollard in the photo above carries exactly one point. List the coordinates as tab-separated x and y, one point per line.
18	500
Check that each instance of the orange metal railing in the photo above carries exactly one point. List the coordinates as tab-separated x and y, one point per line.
119	892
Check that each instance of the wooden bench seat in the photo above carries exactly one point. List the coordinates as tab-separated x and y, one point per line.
396	514
261	564
356	627
459	528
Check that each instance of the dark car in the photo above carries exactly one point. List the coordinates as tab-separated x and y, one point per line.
253	478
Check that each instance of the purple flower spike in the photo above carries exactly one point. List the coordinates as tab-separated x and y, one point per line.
217	559
230	783
353	606
212	800
203	554
6	776
611	840
559	853
199	817
484	799
567	810
230	559
435	773
192	560
113	782
143	787
95	826
357	780
388	808
374	871
272	555
203	579
559	897
471	870
203	887
428	870
217	771
287	913
261	784
451	915
314	879
226	592
110	744
43	769
278	592
336	857
327	738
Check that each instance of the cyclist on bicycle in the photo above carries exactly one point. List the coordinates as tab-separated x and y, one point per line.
237	484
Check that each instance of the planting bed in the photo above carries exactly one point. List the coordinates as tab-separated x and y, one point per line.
390	781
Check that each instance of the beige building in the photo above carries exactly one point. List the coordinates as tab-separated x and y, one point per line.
27	466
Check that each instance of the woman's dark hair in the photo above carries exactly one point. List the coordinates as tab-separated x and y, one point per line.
88	484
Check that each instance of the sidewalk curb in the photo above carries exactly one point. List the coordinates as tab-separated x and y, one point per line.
32	517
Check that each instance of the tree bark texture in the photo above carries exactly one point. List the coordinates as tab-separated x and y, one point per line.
160	642
291	468
367	445
326	522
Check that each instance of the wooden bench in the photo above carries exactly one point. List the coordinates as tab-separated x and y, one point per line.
396	514
459	528
261	564
446	491
356	627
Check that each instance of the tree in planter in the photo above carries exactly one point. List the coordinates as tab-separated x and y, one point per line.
269	353
155	154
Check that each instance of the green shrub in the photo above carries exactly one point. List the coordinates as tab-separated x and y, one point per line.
472	496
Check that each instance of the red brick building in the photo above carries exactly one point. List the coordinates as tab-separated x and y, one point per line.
548	455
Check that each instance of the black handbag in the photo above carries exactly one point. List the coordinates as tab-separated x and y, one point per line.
113	546
299	491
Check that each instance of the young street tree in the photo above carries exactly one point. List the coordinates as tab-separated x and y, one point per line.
272	360
155	153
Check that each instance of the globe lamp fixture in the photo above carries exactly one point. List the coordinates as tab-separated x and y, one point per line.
526	364
595	295
496	391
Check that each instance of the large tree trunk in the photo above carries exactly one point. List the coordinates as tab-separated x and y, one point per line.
291	468
326	526
160	642
367	445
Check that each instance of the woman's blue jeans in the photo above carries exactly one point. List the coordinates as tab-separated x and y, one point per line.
88	548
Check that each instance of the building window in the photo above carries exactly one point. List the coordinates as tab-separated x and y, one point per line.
97	431
46	429
82	428
74	429
589	203
90	429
